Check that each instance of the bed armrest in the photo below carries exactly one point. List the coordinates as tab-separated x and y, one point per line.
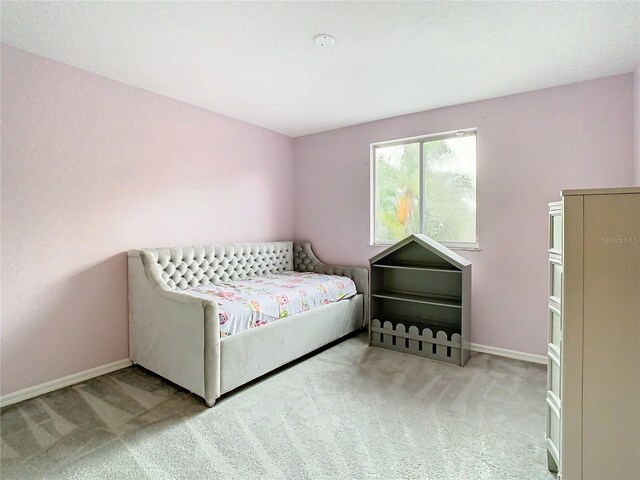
304	260
172	332
154	275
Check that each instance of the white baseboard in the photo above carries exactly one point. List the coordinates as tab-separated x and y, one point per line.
503	352
52	385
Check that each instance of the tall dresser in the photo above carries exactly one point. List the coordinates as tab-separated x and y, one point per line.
593	397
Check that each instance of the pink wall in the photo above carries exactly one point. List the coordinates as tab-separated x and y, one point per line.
530	146
92	168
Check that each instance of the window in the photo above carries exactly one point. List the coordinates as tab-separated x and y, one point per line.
425	185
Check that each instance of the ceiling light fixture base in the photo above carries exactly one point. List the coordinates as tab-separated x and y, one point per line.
324	40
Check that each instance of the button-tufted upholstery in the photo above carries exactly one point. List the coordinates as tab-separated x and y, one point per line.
181	268
187	267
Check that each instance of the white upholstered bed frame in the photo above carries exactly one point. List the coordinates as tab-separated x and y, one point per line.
177	335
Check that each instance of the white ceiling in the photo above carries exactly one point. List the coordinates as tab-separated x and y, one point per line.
256	61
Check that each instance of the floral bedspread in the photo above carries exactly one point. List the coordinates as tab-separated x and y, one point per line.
255	301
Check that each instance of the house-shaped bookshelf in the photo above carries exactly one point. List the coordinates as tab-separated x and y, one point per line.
421	300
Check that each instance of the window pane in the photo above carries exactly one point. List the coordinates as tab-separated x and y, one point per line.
450	189
397	191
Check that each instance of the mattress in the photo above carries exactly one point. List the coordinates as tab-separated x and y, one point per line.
255	301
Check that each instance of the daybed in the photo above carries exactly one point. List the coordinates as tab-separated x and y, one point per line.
175	332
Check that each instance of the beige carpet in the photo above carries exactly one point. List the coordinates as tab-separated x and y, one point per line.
350	411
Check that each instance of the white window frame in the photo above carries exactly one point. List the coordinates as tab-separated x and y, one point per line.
418	139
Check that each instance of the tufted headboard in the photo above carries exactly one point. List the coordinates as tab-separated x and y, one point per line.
180	268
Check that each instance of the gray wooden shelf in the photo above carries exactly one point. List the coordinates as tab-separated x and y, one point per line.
419	298
416	305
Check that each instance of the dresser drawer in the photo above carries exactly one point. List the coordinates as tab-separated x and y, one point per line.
555	325
555	279
553	428
554	380
555	230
